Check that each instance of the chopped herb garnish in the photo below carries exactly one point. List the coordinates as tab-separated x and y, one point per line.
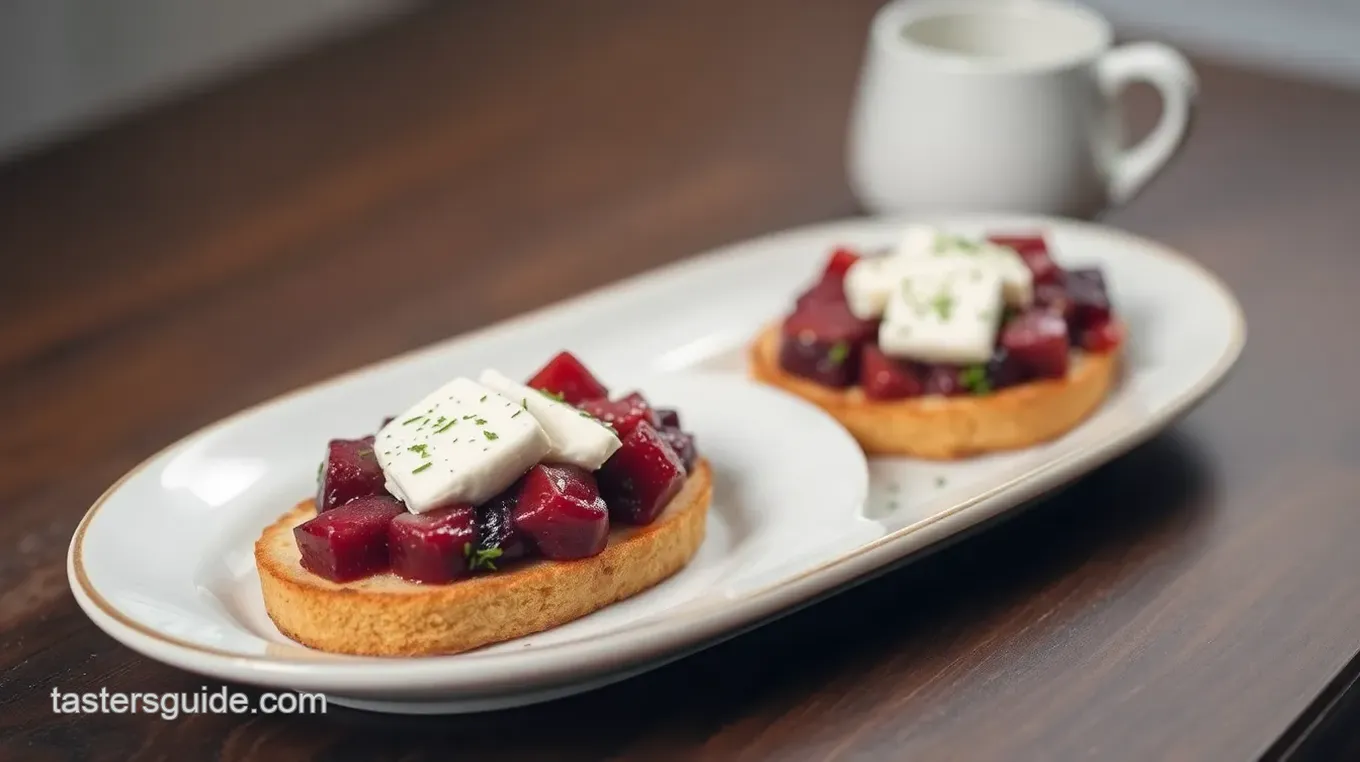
421	467
481	558
838	353
420	450
469	417
445	427
553	395
517	412
974	379
483	399
943	304
412	420
480	421
490	434
524	403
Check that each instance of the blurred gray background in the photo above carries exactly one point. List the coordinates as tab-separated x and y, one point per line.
66	65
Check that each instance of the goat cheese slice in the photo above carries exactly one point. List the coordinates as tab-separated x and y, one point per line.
949	250
463	443
943	315
574	437
868	283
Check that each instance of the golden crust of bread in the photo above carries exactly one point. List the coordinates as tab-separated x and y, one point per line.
943	428
388	616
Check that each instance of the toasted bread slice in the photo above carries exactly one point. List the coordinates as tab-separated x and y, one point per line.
943	428
388	616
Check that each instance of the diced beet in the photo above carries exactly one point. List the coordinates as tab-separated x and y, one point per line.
349	542
1033	249
1037	339
828	289
1101	337
667	417
496	526
639	480
822	342
1090	300
682	444
944	380
566	376
434	546
349	471
839	263
623	414
886	378
560	511
1005	370
1053	297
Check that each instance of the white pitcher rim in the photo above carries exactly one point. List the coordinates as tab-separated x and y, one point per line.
890	22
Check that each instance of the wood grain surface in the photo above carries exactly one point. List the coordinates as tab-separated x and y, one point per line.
1192	601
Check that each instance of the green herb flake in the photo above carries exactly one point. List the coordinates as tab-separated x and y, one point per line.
517	412
420	449
445	427
469	417
943	304
481	558
559	396
974	379
838	353
412	420
421	467
483	399
480	421
490	434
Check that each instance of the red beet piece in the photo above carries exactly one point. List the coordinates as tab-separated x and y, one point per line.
560	510
496	526
823	341
1005	370
349	471
944	380
840	261
1033	249
682	444
1090	300
623	414
828	289
567	376
1101	337
435	546
886	378
1037	339
667	417
1053	297
349	542
639	480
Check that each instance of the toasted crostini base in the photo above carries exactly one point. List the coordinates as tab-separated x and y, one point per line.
388	616
946	428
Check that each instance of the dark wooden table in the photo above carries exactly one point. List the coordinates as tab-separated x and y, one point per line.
1195	600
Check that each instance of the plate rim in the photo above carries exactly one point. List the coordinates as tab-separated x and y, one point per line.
707	623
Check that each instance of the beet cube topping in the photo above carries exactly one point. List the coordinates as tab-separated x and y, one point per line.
349	542
1004	370
567	377
436	546
1037	339
639	480
823	341
1089	298
349	471
667	417
840	262
682	444
623	414
560	511
885	378
496	526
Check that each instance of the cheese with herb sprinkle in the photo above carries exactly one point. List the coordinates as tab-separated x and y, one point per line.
943	315
574	436
463	443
